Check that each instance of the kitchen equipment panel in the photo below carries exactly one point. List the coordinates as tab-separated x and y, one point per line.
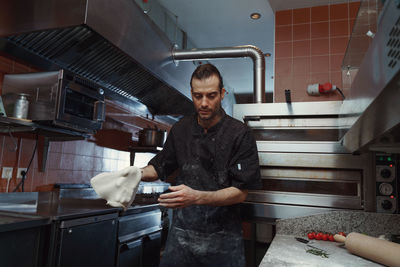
57	98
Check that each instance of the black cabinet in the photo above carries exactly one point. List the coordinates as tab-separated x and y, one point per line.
130	253
22	247
86	242
151	250
141	252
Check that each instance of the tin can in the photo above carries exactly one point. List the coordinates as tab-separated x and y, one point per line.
21	107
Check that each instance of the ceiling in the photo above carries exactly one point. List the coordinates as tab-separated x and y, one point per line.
218	23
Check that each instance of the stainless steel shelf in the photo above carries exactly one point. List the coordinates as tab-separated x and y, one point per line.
14	125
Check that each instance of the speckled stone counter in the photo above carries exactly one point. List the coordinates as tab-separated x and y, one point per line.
285	251
370	223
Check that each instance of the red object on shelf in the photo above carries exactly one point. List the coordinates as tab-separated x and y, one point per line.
318	89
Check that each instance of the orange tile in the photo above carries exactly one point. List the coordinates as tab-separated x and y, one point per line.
301	48
336	79
301	66
6	64
67	162
301	31
351	24
10	152
322	77
283	17
339	11
338	45
336	62
301	15
353	9
319	30
1	148
283	33
319	13
20	68
339	28
320	46
319	64
283	49
283	66
56	146
281	84
70	147
53	160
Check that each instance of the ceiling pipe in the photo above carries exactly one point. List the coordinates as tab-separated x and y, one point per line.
251	51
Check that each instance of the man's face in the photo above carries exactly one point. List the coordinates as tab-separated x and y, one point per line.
207	98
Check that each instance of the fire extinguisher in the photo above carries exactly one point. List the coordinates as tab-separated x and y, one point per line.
326	88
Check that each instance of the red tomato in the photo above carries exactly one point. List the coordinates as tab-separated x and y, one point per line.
341	233
325	237
331	238
311	235
319	236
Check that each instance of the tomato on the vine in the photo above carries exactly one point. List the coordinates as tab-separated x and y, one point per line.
319	236
325	237
341	233
331	238
311	235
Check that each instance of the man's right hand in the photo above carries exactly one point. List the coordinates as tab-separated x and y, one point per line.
180	197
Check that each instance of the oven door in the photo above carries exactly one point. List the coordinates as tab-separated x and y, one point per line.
80	105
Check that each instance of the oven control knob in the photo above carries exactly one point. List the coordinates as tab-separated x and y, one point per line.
385	189
385	173
386	205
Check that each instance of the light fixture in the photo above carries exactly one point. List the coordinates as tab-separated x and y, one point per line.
255	15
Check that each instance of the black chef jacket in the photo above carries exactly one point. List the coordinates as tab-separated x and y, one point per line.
224	156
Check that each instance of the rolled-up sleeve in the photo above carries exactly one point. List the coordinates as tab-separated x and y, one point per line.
165	161
244	168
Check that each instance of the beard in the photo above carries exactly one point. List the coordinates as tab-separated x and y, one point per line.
208	114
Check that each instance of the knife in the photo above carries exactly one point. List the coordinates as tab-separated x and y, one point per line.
302	240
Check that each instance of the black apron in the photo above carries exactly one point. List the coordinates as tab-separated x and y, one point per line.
204	235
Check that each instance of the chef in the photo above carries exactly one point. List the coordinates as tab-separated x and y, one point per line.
217	162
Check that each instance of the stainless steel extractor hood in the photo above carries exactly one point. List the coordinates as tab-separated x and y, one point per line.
372	107
112	43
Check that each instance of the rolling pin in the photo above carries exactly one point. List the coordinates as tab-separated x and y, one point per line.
378	250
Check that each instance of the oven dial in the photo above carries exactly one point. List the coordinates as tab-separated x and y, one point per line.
385	173
386	204
385	189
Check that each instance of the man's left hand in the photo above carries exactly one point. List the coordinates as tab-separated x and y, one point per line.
180	197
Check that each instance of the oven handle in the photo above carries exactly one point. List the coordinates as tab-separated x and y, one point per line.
134	244
99	111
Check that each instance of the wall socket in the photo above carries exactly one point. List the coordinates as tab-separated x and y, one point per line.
19	175
7	173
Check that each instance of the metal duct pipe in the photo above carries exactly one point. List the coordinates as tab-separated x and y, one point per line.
251	51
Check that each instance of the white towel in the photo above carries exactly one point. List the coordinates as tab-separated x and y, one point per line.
118	188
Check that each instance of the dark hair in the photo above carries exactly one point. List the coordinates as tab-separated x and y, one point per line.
205	71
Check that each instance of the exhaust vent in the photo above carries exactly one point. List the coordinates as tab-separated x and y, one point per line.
81	50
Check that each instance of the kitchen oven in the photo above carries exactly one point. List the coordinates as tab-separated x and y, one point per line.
304	168
57	98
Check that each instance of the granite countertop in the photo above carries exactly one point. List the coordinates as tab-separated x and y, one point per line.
286	251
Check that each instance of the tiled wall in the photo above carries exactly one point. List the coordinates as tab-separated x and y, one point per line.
67	162
309	47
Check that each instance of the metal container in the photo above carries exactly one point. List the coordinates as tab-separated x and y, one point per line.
21	107
152	137
162	137
148	137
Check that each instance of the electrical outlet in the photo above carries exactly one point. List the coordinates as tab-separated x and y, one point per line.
7	173
19	174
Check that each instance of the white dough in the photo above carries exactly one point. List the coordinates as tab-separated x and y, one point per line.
118	188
